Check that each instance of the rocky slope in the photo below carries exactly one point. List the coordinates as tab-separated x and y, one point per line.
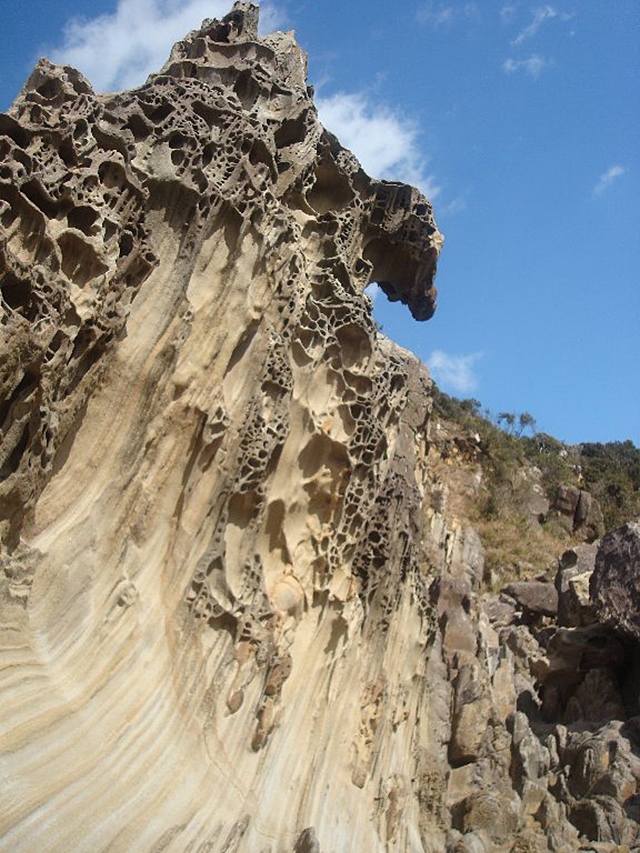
242	607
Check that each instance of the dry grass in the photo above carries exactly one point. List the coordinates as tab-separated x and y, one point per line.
517	548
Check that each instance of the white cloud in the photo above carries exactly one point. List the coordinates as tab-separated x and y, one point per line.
385	143
607	178
454	371
437	14
544	13
533	66
119	50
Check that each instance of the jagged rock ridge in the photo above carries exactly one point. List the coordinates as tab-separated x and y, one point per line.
237	613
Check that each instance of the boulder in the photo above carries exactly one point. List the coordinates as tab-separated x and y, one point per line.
574	651
535	597
579	511
566	501
588	520
615	582
600	819
572	584
500	609
495	812
530	760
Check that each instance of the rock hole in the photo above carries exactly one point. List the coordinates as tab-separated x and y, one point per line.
125	245
206	113
138	127
354	344
12	463
79	260
291	131
21	393
331	191
17	294
112	175
50	89
68	153
83	218
160	113
37	195
246	89
10	127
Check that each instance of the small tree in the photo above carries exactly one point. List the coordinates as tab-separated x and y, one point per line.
507	421
471	405
526	421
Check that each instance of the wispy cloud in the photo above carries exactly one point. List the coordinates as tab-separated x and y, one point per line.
540	15
438	14
454	371
456	205
534	65
119	50
507	12
607	178
385	142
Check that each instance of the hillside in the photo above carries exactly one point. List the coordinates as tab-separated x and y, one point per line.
524	479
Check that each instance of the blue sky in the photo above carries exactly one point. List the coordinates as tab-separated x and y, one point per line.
520	120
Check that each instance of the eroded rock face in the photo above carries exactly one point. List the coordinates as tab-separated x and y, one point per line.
212	464
240	608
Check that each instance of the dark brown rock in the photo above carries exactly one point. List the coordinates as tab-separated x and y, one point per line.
615	582
307	842
599	819
572	583
500	610
580	512
536	597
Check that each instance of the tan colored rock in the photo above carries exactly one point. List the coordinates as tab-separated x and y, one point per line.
212	525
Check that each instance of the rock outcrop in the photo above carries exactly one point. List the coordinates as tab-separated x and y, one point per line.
615	581
241	608
579	511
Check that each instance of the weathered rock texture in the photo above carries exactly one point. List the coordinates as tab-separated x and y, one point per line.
240	608
615	581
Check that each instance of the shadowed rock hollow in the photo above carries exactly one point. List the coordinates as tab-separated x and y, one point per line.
238	612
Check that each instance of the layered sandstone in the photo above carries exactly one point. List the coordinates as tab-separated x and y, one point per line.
240	611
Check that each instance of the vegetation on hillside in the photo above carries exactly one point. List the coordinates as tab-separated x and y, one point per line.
508	444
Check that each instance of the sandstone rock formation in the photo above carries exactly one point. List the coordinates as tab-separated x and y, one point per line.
241	609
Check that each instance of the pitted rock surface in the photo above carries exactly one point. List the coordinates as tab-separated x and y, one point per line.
239	610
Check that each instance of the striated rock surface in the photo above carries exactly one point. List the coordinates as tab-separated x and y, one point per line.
242	608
